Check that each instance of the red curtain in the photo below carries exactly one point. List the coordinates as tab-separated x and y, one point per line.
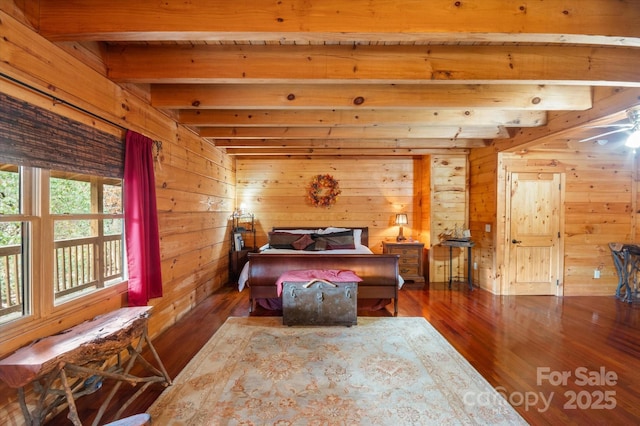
141	221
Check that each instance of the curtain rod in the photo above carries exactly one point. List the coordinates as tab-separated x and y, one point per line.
60	101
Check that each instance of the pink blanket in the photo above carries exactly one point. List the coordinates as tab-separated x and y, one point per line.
331	275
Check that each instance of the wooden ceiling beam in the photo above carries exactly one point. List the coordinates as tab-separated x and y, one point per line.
346	152
351	143
551	21
372	64
360	117
610	108
398	96
281	133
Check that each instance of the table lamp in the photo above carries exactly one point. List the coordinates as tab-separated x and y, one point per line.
401	219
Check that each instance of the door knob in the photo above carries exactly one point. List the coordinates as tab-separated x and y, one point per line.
514	241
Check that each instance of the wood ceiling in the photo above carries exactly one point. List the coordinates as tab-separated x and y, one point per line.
357	77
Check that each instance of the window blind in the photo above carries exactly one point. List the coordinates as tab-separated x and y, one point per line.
32	136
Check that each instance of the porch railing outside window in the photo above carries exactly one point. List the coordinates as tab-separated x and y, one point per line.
10	280
86	263
83	214
76	269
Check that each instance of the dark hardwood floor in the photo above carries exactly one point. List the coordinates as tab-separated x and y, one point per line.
523	345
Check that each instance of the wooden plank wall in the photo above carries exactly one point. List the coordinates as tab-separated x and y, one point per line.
600	206
482	212
195	191
195	188
373	191
195	181
432	190
601	199
449	196
426	214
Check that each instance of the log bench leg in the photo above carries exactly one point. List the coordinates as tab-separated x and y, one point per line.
69	392
135	354
42	409
73	411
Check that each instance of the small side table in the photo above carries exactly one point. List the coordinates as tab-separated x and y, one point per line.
459	243
411	254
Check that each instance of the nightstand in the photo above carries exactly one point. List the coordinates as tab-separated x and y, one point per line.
410	262
243	242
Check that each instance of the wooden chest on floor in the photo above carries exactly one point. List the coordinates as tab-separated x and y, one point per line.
319	302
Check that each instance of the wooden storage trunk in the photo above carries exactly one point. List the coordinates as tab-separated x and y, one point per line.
319	302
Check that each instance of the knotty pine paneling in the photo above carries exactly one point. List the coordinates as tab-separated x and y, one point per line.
600	196
448	198
195	185
426	220
373	191
195	191
482	212
194	251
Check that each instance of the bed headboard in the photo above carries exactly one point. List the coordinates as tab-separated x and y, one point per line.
364	240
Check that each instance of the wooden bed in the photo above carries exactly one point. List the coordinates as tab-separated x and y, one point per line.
379	272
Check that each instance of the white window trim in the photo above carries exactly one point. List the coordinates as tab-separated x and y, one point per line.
45	317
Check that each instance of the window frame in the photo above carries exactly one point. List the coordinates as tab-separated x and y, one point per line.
43	310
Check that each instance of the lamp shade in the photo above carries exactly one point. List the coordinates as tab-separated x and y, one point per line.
401	219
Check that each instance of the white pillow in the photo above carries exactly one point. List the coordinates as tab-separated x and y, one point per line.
331	230
357	237
297	231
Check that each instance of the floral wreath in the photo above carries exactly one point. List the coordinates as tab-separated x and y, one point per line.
323	191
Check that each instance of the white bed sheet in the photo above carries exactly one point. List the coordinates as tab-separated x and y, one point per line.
360	249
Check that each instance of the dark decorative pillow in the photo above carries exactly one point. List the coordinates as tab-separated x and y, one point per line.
318	245
335	241
282	240
303	242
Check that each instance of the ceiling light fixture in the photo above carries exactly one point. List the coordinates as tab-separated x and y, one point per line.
633	141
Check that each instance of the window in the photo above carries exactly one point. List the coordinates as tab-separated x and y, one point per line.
14	247
73	222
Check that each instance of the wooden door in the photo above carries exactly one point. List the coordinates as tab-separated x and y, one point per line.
534	234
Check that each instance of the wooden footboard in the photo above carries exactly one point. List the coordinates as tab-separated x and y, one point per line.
379	272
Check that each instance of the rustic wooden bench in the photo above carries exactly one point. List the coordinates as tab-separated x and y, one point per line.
60	366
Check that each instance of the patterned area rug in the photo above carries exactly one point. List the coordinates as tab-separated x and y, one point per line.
399	371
